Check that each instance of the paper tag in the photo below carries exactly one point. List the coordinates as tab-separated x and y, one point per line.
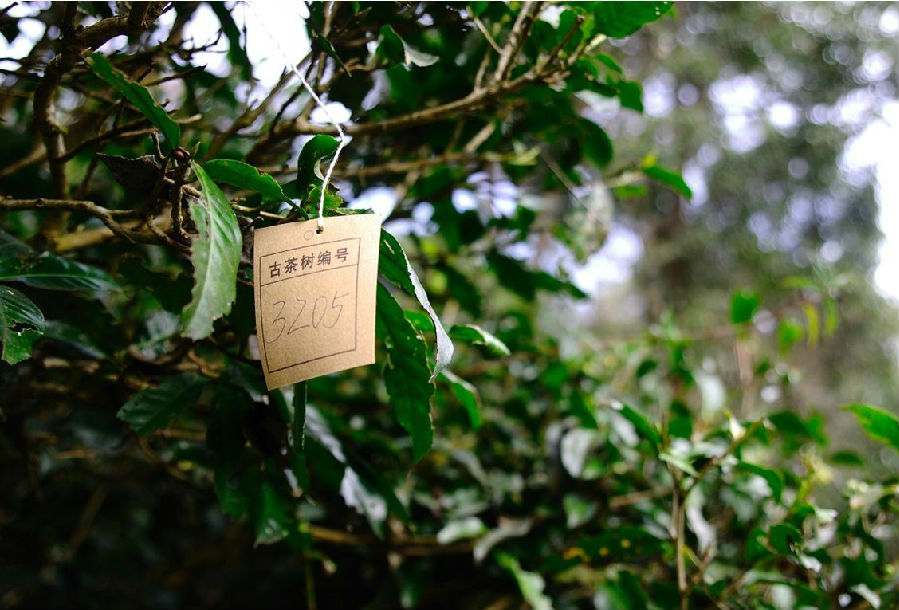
315	297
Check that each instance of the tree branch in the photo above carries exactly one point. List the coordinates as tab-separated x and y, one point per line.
517	36
107	216
73	43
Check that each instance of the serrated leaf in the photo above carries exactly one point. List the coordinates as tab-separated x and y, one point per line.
743	306
317	148
138	95
466	394
669	178
474	334
21	324
138	174
244	176
407	376
54	273
215	255
880	425
395	267
153	408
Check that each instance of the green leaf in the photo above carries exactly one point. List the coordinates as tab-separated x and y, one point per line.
620	19
772	477
328	48
271	515
245	176
21	323
466	394
298	417
879	424
678	461
391	42
644	427
394	266
366	502
474	334
54	273
362	489
138	95
831	317
477	8
530	584
297	436
318	148
610	62
215	255
743	306
782	536
153	408
407	376
788	334
578	509
235	484
669	178
813	323
461	529
596	144
846	458
631	95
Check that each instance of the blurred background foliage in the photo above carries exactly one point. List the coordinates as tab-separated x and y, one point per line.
643	226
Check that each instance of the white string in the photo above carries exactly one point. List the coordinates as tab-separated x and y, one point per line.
342	139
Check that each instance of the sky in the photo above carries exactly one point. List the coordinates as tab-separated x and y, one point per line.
276	35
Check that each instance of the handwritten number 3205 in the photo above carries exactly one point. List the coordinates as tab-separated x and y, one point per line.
307	317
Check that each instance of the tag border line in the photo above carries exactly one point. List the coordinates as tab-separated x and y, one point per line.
330	267
268	371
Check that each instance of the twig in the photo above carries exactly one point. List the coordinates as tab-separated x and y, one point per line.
634	497
516	39
421	546
470	102
89	207
579	20
678	513
73	43
483	30
84	523
735	444
249	116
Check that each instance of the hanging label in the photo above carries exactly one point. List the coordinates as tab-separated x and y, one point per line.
315	297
